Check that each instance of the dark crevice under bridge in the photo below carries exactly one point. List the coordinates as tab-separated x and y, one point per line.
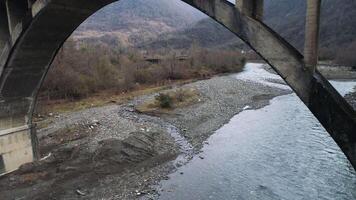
32	31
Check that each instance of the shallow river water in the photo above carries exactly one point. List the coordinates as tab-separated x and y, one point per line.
277	152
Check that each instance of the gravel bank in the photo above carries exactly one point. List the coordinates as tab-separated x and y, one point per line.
223	97
112	152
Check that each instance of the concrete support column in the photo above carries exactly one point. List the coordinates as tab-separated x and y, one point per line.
311	47
16	148
14	113
18	140
251	8
16	12
4	27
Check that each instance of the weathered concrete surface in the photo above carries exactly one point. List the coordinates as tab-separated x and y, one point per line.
16	12
34	49
312	27
4	31
15	147
252	8
4	34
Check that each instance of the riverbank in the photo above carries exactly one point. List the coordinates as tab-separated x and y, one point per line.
280	151
337	72
351	98
114	152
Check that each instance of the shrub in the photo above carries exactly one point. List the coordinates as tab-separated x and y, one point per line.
164	100
180	94
91	68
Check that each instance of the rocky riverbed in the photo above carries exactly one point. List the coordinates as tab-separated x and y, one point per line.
114	152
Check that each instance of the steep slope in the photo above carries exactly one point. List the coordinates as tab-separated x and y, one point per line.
171	23
337	32
125	12
338	19
204	33
132	21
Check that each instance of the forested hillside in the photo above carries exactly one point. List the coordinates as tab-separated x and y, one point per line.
205	33
338	28
163	23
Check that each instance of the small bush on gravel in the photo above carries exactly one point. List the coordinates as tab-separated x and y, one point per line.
164	100
180	95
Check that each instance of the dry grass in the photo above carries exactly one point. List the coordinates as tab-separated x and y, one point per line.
100	99
180	98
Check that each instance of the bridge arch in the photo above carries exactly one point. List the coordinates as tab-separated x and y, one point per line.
38	28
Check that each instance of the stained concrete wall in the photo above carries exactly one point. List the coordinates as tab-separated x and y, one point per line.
16	148
14	112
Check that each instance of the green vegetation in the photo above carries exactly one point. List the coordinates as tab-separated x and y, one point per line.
164	100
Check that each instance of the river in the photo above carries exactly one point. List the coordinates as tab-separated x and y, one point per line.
278	152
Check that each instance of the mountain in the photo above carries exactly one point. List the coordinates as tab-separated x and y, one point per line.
338	30
205	33
171	23
338	19
133	21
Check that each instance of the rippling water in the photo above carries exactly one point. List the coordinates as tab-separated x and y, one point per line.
277	152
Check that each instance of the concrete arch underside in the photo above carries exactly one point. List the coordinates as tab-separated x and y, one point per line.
33	32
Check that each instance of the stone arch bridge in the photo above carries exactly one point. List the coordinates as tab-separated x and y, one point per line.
32	31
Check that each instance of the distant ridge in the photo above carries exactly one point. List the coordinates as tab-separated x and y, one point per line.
172	23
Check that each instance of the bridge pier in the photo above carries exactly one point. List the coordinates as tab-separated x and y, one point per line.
4	31
16	148
311	47
16	13
18	141
4	35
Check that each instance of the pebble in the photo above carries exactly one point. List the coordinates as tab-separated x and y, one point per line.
246	108
80	192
